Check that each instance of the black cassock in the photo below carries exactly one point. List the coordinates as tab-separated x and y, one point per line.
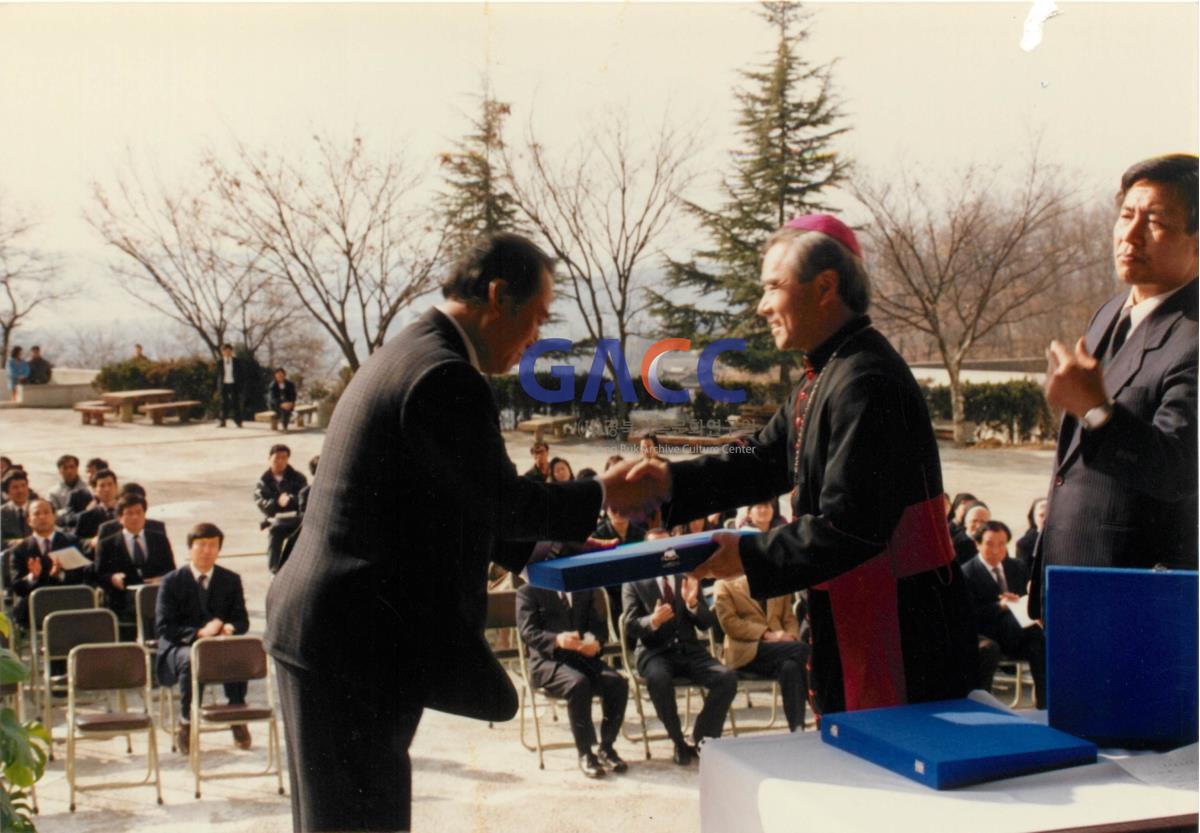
891	618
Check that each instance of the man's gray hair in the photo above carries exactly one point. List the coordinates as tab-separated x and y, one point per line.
810	253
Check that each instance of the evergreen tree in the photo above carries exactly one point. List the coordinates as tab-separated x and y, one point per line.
475	201
788	120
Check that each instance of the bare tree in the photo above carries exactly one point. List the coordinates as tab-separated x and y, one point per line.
957	266
336	232
172	241
603	211
29	277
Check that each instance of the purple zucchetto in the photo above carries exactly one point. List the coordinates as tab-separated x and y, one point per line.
830	226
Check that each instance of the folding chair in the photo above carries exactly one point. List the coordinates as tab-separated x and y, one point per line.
145	598
43	602
64	630
232	659
502	619
1015	673
637	683
16	693
748	682
600	602
121	667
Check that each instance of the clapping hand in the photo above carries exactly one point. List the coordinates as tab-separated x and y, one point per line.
690	590
1074	381
663	612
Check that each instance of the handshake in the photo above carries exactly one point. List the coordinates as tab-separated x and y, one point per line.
635	489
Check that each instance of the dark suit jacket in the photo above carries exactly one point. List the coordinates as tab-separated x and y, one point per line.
12	524
541	617
639	599
276	397
267	492
1125	495
112	557
22	583
239	373
179	612
992	620
114	526
416	496
90	520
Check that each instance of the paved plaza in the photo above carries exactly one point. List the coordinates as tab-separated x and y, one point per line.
468	777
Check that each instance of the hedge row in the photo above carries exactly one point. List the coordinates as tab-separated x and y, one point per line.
191	378
1016	410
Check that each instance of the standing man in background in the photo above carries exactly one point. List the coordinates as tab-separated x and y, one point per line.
1123	492
229	385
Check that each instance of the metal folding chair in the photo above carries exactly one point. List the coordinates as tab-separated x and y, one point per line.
120	667
43	602
145	598
64	630
229	659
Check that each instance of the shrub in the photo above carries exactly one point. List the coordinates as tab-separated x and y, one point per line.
1017	409
193	378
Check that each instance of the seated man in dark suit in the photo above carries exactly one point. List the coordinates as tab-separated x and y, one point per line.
34	566
196	601
103	508
135	555
71	493
994	582
278	498
540	470
281	397
564	634
974	518
14	514
112	527
662	615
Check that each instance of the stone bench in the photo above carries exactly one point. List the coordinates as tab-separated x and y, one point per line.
93	413
302	415
158	410
538	425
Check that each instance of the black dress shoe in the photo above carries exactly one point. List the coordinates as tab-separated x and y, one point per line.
590	766
609	757
683	754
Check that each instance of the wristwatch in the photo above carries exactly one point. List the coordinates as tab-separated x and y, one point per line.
1098	417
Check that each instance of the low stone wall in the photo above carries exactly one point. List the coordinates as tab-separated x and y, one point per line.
68	385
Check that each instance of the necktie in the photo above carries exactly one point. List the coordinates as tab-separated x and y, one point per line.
1124	324
999	574
139	554
667	592
45	546
204	593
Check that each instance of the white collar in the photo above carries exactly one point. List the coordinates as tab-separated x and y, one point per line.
1140	311
472	356
197	575
991	570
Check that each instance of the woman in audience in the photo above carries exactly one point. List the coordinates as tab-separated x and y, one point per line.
763	516
962	501
1037	519
560	471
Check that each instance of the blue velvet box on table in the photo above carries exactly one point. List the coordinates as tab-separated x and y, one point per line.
628	562
1121	655
953	743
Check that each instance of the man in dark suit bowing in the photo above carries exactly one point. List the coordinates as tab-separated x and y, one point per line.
996	582
135	555
1123	492
196	601
379	611
564	633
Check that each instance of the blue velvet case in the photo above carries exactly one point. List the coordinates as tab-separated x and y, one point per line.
628	562
1121	655
953	743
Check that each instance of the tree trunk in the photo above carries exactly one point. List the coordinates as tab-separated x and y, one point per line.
957	407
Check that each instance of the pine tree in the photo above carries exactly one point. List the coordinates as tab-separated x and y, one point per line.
475	201
788	120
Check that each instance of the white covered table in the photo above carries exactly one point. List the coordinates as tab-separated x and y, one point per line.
796	783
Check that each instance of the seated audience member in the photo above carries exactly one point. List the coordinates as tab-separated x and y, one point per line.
136	555
70	484
958	507
1037	519
648	446
102	508
281	397
763	516
560	471
114	526
5	465
18	371
33	562
39	368
14	514
564	635
990	657
194	601
278	498
661	616
94	465
763	636
616	529
976	515
995	582
540	470
585	473
612	461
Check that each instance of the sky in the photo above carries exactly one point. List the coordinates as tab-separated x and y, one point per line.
928	86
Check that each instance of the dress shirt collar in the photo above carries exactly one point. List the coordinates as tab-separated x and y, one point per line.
472	356
197	575
821	354
1139	312
129	536
46	547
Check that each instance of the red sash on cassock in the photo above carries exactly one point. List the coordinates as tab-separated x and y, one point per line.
865	606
